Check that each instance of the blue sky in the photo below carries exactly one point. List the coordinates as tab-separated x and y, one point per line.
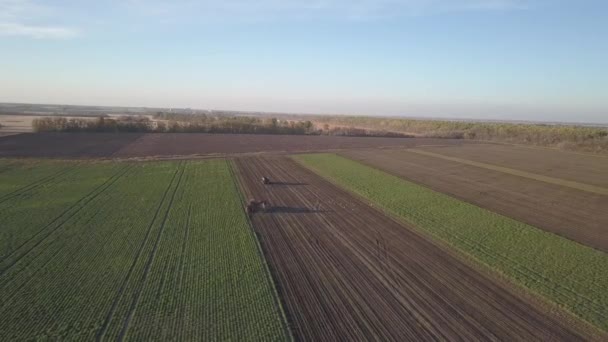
493	59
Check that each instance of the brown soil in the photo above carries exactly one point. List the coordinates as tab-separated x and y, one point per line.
170	145
346	271
64	145
579	167
577	215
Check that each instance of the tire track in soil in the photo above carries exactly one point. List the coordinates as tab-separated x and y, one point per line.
279	303
180	275
8	297
36	184
81	204
3	286
106	324
150	261
348	271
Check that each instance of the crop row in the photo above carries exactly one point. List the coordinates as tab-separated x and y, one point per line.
151	251
565	272
17	175
35	208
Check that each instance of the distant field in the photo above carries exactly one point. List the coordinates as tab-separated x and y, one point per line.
118	251
22	123
169	145
565	272
16	123
65	145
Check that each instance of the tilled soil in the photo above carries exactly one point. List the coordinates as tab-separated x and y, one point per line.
174	144
346	271
65	145
577	215
168	145
579	167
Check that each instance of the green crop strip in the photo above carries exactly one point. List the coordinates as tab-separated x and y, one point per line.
567	273
143	251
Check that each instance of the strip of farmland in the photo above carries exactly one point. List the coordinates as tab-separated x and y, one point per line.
65	145
578	215
171	145
154	251
347	271
176	144
541	178
567	273
577	167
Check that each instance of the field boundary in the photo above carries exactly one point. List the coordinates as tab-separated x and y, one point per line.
591	305
551	180
338	235
278	301
106	324
538	147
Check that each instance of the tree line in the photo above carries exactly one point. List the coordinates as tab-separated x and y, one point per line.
570	137
186	123
243	125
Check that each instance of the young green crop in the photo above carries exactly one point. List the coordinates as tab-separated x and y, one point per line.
146	251
565	272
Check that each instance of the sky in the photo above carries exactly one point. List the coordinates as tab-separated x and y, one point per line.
541	60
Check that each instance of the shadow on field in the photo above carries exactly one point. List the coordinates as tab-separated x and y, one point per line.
287	183
294	210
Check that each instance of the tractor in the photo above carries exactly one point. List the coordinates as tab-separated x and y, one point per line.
256	206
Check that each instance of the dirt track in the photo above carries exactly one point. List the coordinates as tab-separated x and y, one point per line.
346	271
578	215
584	168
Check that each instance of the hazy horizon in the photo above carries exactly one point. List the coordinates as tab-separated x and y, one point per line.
468	59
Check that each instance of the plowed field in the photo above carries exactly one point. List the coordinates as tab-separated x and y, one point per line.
175	144
572	166
575	214
347	271
167	145
65	145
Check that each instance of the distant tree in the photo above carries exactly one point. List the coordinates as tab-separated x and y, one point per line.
161	126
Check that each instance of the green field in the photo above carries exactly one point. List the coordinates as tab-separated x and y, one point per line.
148	251
563	271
